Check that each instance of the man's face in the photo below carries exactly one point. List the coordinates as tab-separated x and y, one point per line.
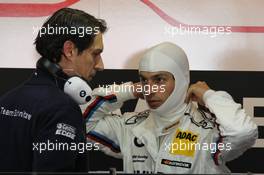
90	61
160	85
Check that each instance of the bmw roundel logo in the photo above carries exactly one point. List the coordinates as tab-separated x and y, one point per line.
59	125
82	93
138	143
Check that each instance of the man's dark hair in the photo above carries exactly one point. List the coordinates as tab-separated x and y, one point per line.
66	24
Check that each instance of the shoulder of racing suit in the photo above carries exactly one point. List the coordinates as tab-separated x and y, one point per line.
201	117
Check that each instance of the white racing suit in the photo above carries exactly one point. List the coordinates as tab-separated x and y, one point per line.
201	142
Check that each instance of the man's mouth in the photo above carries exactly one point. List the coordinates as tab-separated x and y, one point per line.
154	103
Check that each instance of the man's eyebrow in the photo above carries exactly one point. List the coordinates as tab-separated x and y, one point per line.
159	75
154	76
97	51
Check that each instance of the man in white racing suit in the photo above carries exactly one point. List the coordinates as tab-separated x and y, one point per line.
174	135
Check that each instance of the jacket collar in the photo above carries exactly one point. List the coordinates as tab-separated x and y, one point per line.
41	77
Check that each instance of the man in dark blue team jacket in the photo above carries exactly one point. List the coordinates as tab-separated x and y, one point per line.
41	127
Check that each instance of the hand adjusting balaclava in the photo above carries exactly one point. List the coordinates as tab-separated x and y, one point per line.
170	58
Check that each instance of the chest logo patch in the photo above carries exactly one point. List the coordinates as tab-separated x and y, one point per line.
66	130
184	143
138	143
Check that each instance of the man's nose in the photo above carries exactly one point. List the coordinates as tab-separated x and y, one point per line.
99	66
149	88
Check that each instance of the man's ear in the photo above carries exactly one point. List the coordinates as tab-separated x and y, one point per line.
69	49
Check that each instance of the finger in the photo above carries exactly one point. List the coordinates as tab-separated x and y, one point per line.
194	98
188	95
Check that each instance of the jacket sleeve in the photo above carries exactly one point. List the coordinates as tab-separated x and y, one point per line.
102	125
236	129
58	139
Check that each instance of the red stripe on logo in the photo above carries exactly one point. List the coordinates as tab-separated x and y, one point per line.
31	9
176	23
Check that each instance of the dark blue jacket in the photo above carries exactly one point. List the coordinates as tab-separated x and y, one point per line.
41	128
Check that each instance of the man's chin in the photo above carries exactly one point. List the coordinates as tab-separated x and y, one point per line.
89	78
153	106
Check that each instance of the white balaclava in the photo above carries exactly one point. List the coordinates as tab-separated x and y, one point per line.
170	58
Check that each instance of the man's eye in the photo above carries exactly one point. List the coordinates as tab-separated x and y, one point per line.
160	80
96	55
144	81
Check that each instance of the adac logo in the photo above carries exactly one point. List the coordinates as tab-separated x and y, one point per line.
184	143
187	136
138	143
